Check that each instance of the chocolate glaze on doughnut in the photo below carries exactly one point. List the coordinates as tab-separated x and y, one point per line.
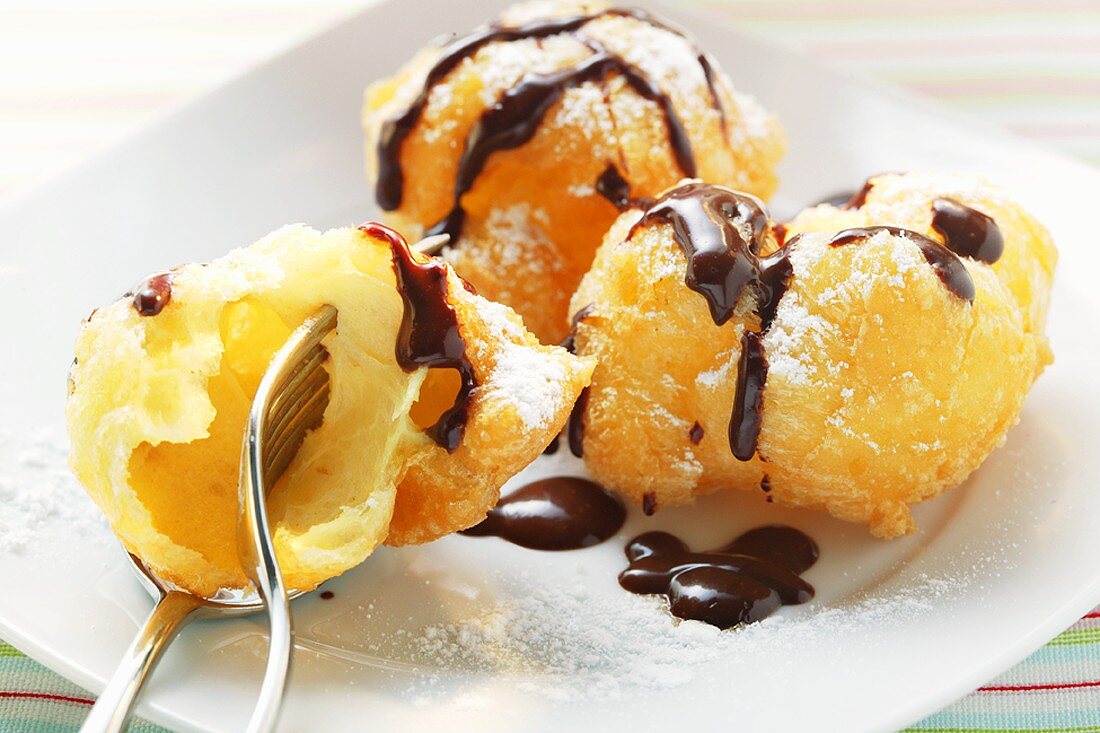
739	583
967	232
559	513
429	334
152	294
516	117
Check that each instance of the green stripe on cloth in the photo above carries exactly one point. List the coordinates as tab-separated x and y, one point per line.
35	700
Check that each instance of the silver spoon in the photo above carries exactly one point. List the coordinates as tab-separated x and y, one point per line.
290	401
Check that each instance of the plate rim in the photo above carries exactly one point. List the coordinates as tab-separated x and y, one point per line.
1055	621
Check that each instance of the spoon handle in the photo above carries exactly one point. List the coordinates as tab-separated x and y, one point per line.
169	616
257	553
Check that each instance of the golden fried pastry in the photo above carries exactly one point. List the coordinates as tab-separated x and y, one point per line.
164	379
523	139
986	224
855	371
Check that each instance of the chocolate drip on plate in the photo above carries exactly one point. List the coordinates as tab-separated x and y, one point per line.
741	582
950	269
152	295
429	335
560	513
967	232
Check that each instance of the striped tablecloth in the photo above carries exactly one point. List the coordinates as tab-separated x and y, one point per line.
1031	66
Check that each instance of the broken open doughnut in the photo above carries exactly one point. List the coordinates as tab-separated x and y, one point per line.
524	138
163	381
856	371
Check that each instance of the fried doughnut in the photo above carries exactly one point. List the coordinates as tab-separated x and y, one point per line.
523	139
164	378
856	372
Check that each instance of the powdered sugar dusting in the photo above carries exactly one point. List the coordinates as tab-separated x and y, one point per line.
573	643
38	492
529	379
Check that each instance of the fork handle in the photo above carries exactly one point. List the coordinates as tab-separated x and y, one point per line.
169	616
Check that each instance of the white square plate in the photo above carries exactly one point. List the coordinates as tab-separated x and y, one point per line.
898	629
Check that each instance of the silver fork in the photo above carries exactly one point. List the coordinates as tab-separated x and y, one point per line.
290	401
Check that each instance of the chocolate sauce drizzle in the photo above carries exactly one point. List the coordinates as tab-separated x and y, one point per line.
613	187
152	295
574	428
859	198
711	223
849	199
707	222
559	513
429	334
513	120
967	232
947	265
722	234
695	434
739	583
569	343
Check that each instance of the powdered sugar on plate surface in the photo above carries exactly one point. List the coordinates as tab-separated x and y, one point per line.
571	643
38	492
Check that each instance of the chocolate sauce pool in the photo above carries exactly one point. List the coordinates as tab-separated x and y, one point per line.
560	513
738	583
